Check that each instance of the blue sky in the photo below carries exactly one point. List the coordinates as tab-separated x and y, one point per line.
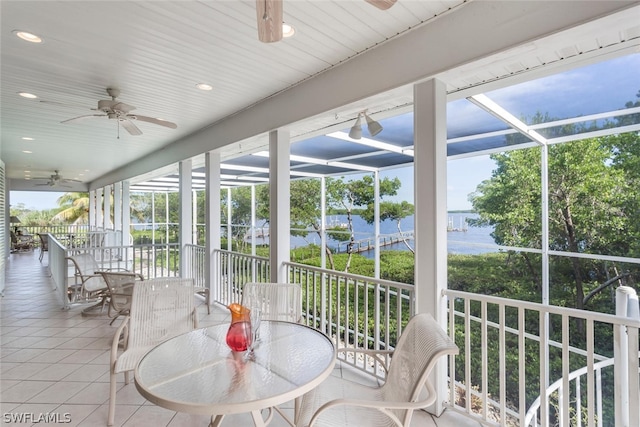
36	200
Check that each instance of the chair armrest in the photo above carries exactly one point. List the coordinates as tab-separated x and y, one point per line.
123	329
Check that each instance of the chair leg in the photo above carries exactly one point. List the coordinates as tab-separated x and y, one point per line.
112	399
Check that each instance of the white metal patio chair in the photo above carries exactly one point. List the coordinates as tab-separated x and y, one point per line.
345	403
160	309
276	301
89	283
120	289
44	244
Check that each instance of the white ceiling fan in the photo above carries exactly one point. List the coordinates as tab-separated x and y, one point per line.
57	180
269	15
117	110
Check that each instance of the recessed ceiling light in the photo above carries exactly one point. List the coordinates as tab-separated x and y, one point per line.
204	86
27	36
27	95
27	171
287	30
27	138
26	178
27	151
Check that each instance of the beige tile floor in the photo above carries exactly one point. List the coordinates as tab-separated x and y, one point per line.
56	362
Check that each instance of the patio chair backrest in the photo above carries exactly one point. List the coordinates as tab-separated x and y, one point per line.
160	309
44	241
277	301
118	281
421	344
87	267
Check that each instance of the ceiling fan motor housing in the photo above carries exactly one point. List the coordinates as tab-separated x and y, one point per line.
105	105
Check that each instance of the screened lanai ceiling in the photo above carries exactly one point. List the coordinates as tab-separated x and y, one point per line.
588	101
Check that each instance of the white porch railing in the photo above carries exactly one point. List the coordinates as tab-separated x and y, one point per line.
357	311
501	369
236	269
195	264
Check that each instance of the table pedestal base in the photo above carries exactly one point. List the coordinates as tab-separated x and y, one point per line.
257	419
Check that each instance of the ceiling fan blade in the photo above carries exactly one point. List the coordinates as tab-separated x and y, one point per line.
382	4
130	127
80	118
269	16
121	106
154	121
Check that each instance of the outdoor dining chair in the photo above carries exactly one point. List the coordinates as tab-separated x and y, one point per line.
160	309
88	282
44	244
276	301
120	289
338	401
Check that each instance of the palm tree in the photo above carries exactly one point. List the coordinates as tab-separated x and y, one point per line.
75	208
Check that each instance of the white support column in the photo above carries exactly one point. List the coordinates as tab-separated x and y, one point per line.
106	218
253	223
194	216
229	221
430	194
126	214
92	209
186	224
279	195
99	207
117	210
323	225
376	224
212	222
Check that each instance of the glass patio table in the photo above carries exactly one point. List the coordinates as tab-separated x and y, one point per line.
197	373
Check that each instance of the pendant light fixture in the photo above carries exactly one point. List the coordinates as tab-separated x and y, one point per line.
356	129
373	127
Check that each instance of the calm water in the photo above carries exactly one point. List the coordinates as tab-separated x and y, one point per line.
458	240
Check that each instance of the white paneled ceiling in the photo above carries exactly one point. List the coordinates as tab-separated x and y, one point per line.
155	52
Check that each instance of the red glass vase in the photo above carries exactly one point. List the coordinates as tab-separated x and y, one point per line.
239	333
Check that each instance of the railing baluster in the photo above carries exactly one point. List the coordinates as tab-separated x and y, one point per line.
522	378
564	404
485	360
503	366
